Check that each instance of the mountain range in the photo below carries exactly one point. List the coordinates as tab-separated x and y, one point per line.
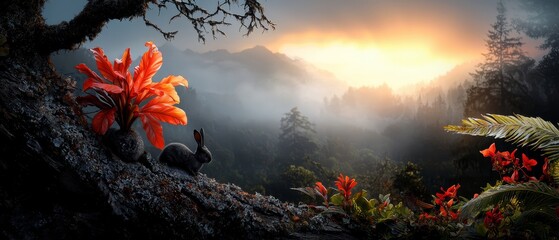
256	83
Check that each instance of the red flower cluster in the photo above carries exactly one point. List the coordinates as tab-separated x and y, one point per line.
446	199
493	218
345	184
506	163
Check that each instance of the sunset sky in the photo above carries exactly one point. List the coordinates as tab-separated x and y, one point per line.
362	42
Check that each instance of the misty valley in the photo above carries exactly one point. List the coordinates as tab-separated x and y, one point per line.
373	132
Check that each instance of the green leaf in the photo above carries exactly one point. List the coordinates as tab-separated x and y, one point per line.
306	190
337	199
373	202
384	198
334	210
362	204
532	195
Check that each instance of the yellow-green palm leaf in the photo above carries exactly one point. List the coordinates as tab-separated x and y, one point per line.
523	131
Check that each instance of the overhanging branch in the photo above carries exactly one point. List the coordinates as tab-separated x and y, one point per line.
89	23
96	13
250	16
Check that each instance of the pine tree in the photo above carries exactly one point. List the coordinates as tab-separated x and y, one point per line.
295	140
500	81
541	23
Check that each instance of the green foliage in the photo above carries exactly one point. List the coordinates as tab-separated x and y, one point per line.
337	199
409	181
525	206
533	196
298	176
360	207
309	191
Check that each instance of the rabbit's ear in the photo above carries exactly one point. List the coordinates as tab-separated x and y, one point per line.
198	137
202	133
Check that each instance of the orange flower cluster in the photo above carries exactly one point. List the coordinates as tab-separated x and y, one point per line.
123	97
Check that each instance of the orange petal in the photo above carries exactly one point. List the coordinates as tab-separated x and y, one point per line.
175	80
103	120
165	113
149	65
103	64
154	130
166	88
353	183
110	88
82	68
163	100
122	65
490	152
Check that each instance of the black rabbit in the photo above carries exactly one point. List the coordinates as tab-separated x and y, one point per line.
179	155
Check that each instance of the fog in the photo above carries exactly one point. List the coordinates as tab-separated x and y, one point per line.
239	98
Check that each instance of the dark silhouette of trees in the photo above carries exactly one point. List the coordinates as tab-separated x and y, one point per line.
501	80
543	22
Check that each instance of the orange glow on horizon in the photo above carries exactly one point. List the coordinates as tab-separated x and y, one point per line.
391	57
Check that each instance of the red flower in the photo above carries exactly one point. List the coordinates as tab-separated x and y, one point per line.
446	205
123	97
489	152
443	211
528	163
345	185
513	178
453	190
426	216
450	193
476	195
453	215
505	158
493	218
322	191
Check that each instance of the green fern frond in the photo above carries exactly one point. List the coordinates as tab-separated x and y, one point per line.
541	222
523	131
532	195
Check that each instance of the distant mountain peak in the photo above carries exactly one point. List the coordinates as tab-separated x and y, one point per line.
257	50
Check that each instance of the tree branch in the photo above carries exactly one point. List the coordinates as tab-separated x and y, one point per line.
250	17
89	23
